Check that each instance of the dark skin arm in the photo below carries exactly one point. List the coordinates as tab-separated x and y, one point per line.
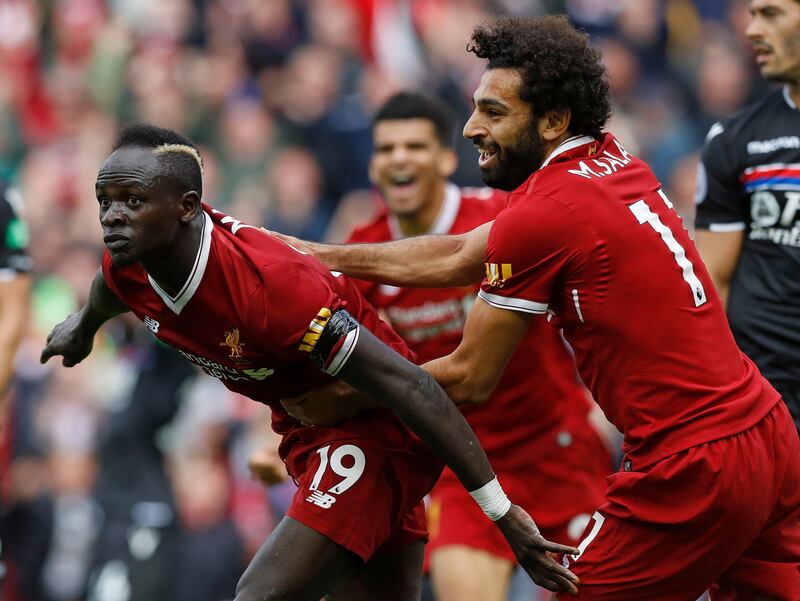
73	338
420	402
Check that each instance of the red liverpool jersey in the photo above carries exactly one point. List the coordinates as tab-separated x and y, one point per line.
592	239
249	313
535	401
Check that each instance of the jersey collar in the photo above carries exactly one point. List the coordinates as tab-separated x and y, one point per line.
444	220
788	98
178	302
566	146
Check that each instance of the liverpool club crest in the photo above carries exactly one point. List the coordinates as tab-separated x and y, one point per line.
232	342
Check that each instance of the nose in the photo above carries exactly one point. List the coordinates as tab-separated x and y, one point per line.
399	154
753	30
113	215
473	128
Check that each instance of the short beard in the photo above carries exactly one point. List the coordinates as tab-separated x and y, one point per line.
516	163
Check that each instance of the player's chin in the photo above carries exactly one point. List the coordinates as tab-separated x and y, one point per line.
121	258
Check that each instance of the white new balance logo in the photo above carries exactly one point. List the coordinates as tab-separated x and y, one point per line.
151	324
321	499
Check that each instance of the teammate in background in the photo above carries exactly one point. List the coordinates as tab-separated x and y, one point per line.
264	318
748	196
469	560
709	488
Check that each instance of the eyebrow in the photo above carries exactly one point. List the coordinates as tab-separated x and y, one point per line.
484	102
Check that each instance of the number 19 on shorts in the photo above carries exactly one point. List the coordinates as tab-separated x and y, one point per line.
336	462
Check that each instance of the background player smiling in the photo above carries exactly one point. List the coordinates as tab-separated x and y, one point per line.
356	525
709	490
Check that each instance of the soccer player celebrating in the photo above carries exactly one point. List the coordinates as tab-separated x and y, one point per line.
264	318
709	487
748	196
469	560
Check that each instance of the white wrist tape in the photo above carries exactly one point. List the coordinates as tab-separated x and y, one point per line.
492	499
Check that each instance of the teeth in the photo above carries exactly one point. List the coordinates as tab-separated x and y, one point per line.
402	179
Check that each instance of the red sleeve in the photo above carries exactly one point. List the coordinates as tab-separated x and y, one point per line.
528	247
293	306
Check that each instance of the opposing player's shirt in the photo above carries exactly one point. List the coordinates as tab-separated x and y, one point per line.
250	313
592	238
13	235
533	406
749	179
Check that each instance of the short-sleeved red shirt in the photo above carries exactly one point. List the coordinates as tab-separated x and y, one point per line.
591	238
250	313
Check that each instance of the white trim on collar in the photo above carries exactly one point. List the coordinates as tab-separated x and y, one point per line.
177	303
788	98
566	145
444	220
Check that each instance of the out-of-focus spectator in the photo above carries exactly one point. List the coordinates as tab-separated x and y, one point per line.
210	553
297	206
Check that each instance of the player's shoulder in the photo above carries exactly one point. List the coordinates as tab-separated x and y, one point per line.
733	131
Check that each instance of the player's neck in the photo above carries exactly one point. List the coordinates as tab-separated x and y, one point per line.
421	221
172	265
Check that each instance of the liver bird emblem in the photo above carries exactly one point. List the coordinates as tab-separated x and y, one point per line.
232	342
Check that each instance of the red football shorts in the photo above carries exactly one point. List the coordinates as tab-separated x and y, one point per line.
363	494
560	489
725	512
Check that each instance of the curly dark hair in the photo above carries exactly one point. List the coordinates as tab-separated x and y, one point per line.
559	68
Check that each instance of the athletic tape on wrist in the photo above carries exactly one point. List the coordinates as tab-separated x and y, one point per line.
492	499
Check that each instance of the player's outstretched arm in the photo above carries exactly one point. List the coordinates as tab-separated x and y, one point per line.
353	354
422	261
73	337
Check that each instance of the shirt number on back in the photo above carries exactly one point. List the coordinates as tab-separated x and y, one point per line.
641	210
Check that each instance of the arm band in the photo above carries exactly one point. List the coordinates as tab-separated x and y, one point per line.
336	342
492	499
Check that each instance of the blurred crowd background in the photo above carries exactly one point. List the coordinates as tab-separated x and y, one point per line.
118	463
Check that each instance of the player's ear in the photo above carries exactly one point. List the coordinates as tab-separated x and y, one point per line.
189	206
448	162
554	124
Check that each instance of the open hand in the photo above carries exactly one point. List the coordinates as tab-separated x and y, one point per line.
531	550
68	340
